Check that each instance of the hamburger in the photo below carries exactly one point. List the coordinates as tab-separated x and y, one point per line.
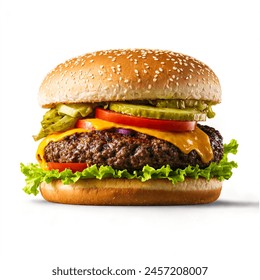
123	127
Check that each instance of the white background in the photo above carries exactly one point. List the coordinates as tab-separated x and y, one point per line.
37	236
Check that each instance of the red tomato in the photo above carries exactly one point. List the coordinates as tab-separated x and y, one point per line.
74	166
83	123
166	125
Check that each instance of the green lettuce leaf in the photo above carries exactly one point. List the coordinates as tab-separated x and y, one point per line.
35	175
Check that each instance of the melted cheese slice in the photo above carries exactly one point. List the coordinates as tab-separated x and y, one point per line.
186	141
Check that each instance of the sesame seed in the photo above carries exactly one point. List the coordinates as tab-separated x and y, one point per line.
91	61
160	69
149	86
126	81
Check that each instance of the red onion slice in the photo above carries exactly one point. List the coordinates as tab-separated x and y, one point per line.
124	131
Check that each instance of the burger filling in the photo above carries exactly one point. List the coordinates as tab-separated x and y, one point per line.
133	140
128	149
64	116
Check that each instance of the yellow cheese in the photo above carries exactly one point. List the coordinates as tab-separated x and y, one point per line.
186	141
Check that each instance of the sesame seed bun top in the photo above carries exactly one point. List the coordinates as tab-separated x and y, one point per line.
130	74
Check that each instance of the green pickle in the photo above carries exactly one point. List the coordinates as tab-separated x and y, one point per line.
62	118
200	105
74	110
147	111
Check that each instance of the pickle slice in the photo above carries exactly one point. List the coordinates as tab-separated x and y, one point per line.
74	110
61	118
199	105
58	124
158	113
54	122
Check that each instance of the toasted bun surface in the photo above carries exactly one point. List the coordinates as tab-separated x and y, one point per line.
131	74
132	192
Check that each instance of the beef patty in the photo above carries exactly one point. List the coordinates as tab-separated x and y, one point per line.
131	152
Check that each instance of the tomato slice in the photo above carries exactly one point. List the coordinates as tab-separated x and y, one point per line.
165	125
83	123
74	166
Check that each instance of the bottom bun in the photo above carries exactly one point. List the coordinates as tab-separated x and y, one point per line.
132	192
